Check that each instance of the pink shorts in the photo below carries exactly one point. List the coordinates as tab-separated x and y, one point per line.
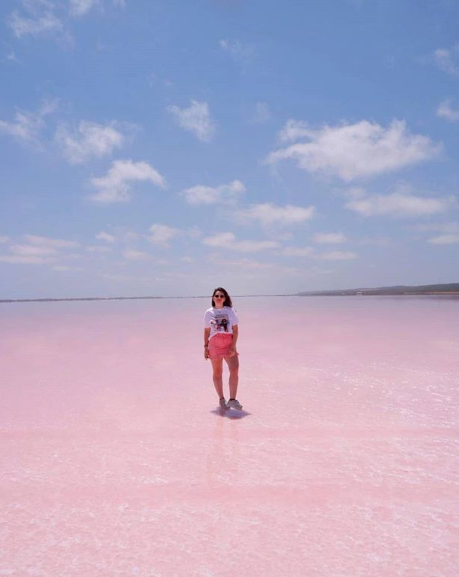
220	346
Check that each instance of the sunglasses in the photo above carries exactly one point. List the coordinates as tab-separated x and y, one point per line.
219	296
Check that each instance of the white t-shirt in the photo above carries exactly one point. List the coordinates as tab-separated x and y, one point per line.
220	321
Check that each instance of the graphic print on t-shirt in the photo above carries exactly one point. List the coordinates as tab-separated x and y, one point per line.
220	322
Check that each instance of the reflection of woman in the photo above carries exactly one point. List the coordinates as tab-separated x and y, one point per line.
220	336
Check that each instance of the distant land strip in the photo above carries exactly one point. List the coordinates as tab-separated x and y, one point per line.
451	289
431	289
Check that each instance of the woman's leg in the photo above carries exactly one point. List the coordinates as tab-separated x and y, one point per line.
233	365
217	366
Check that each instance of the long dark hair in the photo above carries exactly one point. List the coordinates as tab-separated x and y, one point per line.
227	302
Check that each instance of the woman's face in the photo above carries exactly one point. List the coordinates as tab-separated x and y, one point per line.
219	298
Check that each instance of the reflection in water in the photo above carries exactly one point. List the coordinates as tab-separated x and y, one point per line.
223	458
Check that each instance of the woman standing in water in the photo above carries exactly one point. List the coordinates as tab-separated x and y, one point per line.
220	337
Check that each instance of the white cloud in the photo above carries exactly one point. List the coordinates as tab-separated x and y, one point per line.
114	187
255	269
196	119
4	239
293	130
24	259
337	255
81	7
64	268
268	213
444	227
48	106
101	249
358	150
161	234
329	238
445	110
446	232
135	255
78	8
399	204
447	60
54	243
445	239
355	192
38	250
227	240
90	140
224	193
11	57
222	239
32	250
27	126
39	17
120	234
242	53
246	263
42	21
298	251
105	236
125	278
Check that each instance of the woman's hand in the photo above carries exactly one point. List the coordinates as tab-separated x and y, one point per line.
233	352
206	353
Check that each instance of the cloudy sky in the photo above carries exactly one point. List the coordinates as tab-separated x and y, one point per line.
166	147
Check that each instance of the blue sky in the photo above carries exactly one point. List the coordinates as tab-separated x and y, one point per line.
165	148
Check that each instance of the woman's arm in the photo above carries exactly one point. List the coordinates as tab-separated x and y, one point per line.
206	342
235	336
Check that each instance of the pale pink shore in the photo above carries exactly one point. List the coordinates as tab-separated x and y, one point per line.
344	462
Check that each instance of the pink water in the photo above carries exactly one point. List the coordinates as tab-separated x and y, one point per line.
344	462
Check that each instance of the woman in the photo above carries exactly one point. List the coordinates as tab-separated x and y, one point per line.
220	337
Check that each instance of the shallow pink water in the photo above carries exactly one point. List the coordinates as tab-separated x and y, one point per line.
343	463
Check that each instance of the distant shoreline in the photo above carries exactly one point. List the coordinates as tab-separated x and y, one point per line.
375	293
52	300
349	292
451	289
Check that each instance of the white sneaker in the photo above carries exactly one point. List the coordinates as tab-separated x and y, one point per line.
235	404
223	404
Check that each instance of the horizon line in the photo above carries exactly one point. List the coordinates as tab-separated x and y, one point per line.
52	299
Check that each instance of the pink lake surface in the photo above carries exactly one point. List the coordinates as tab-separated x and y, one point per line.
344	462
